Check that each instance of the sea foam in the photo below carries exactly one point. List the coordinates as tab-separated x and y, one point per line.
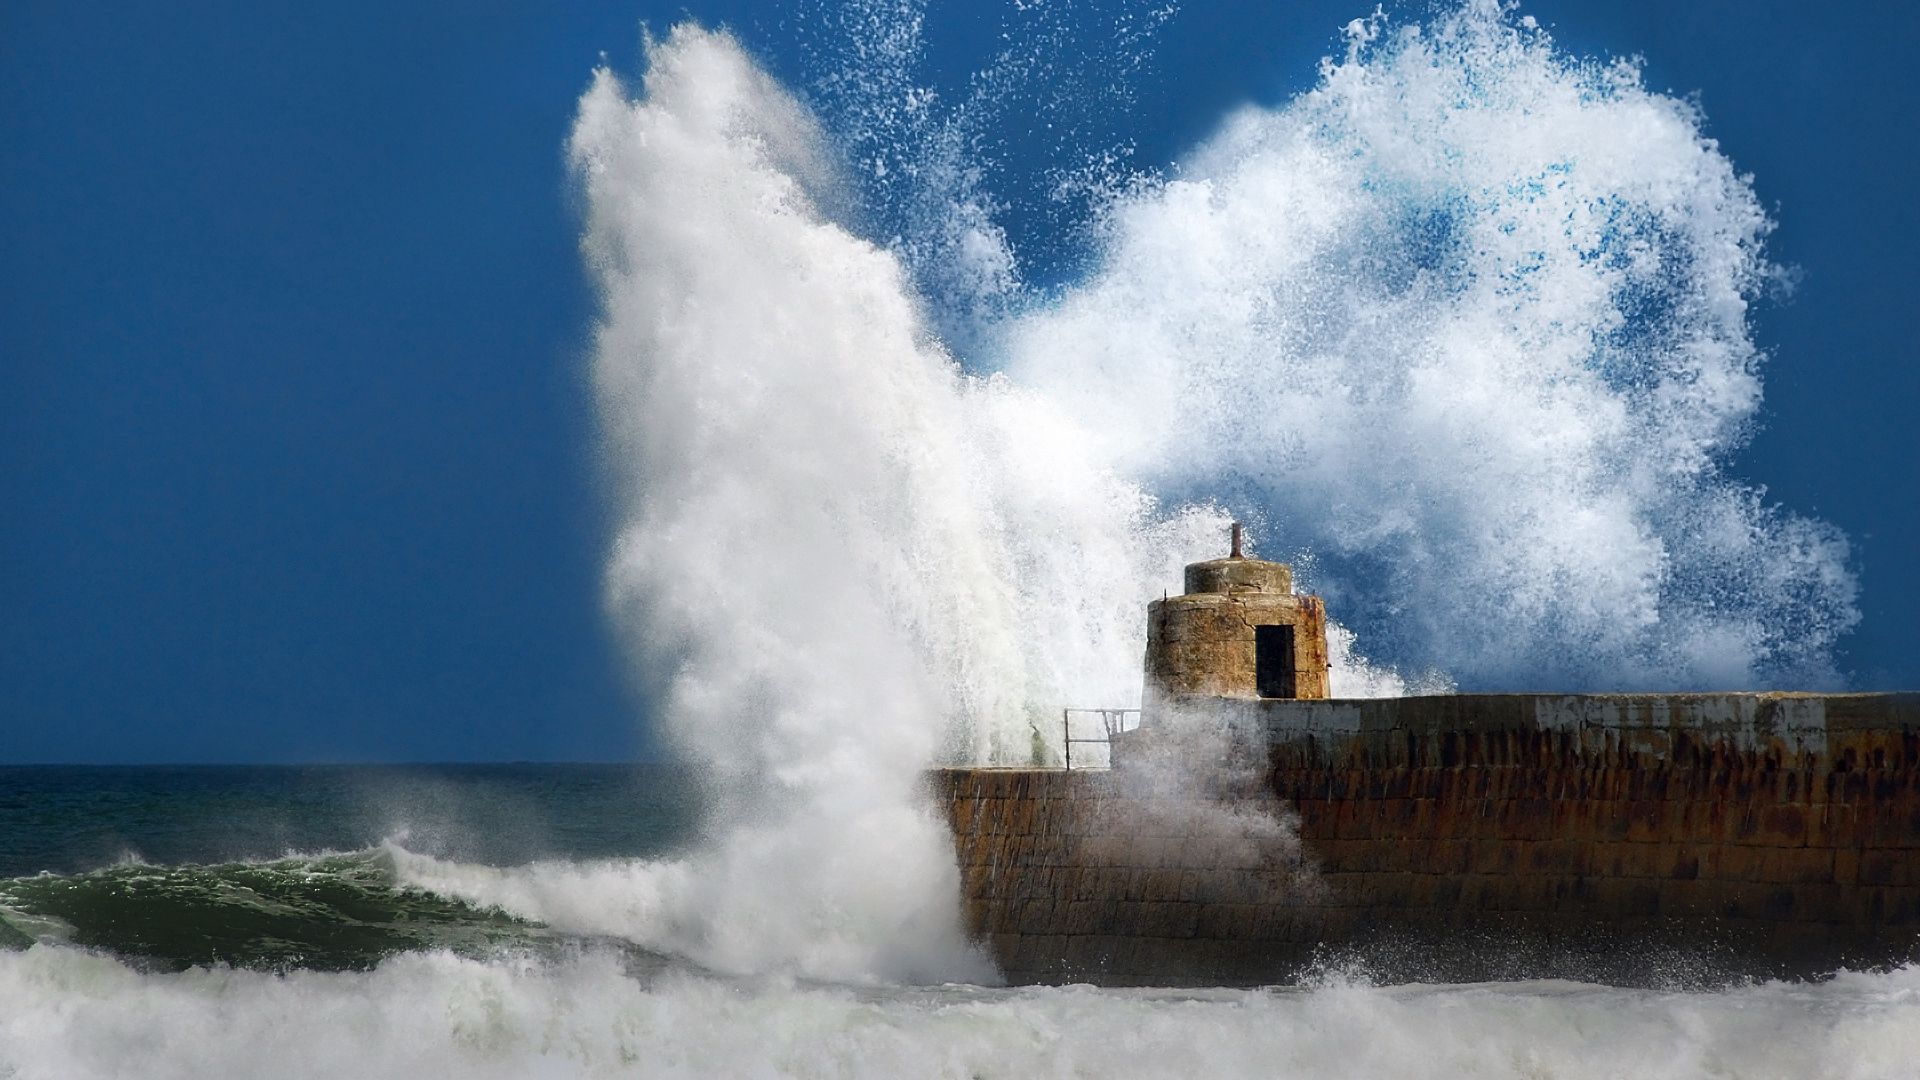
69	1014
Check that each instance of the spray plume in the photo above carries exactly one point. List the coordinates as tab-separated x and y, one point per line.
1465	328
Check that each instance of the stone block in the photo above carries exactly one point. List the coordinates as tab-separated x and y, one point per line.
1554	857
1797	866
1683	861
1162	886
1876	867
1168	920
1448	856
1739	863
978	881
1494	857
1819	902
1783	825
1846	866
1052	850
1084	916
1891	826
1092	955
1901	912
1833	825
1104	851
1039	916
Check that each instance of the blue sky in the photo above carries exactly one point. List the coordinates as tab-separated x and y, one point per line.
296	450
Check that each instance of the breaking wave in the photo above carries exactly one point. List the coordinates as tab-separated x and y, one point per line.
1468	327
842	557
1465	329
348	910
78	1016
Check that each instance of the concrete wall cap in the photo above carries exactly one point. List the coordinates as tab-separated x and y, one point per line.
1232	575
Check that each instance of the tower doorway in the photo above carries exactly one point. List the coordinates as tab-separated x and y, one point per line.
1273	661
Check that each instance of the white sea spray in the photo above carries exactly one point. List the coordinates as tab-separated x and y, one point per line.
1469	324
1464	329
843	558
69	1014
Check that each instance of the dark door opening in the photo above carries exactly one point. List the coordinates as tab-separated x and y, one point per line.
1273	661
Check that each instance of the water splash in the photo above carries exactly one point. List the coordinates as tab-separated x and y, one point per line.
1469	324
1465	327
843	558
948	173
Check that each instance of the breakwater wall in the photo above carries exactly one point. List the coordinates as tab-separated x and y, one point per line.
1626	838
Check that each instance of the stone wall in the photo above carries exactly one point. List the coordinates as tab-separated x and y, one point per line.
1203	644
1076	876
1633	838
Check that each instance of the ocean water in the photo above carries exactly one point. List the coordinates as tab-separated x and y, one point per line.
227	922
286	867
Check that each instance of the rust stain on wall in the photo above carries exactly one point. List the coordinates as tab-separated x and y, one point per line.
1639	838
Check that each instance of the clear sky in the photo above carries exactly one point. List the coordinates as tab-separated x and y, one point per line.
296	455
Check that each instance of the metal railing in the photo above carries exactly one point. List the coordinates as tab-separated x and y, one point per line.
1112	722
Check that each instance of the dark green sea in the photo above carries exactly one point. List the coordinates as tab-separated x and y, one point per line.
295	867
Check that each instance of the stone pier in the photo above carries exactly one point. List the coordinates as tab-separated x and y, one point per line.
1627	838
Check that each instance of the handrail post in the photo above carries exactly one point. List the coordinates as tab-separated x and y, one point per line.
1113	723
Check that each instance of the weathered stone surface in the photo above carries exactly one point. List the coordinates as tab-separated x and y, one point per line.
1237	575
1204	642
1624	837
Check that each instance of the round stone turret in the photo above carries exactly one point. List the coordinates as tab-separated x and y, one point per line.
1239	631
1237	575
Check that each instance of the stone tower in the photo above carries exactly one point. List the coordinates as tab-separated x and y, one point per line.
1239	631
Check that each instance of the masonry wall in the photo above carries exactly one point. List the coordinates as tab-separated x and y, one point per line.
1203	643
1637	838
